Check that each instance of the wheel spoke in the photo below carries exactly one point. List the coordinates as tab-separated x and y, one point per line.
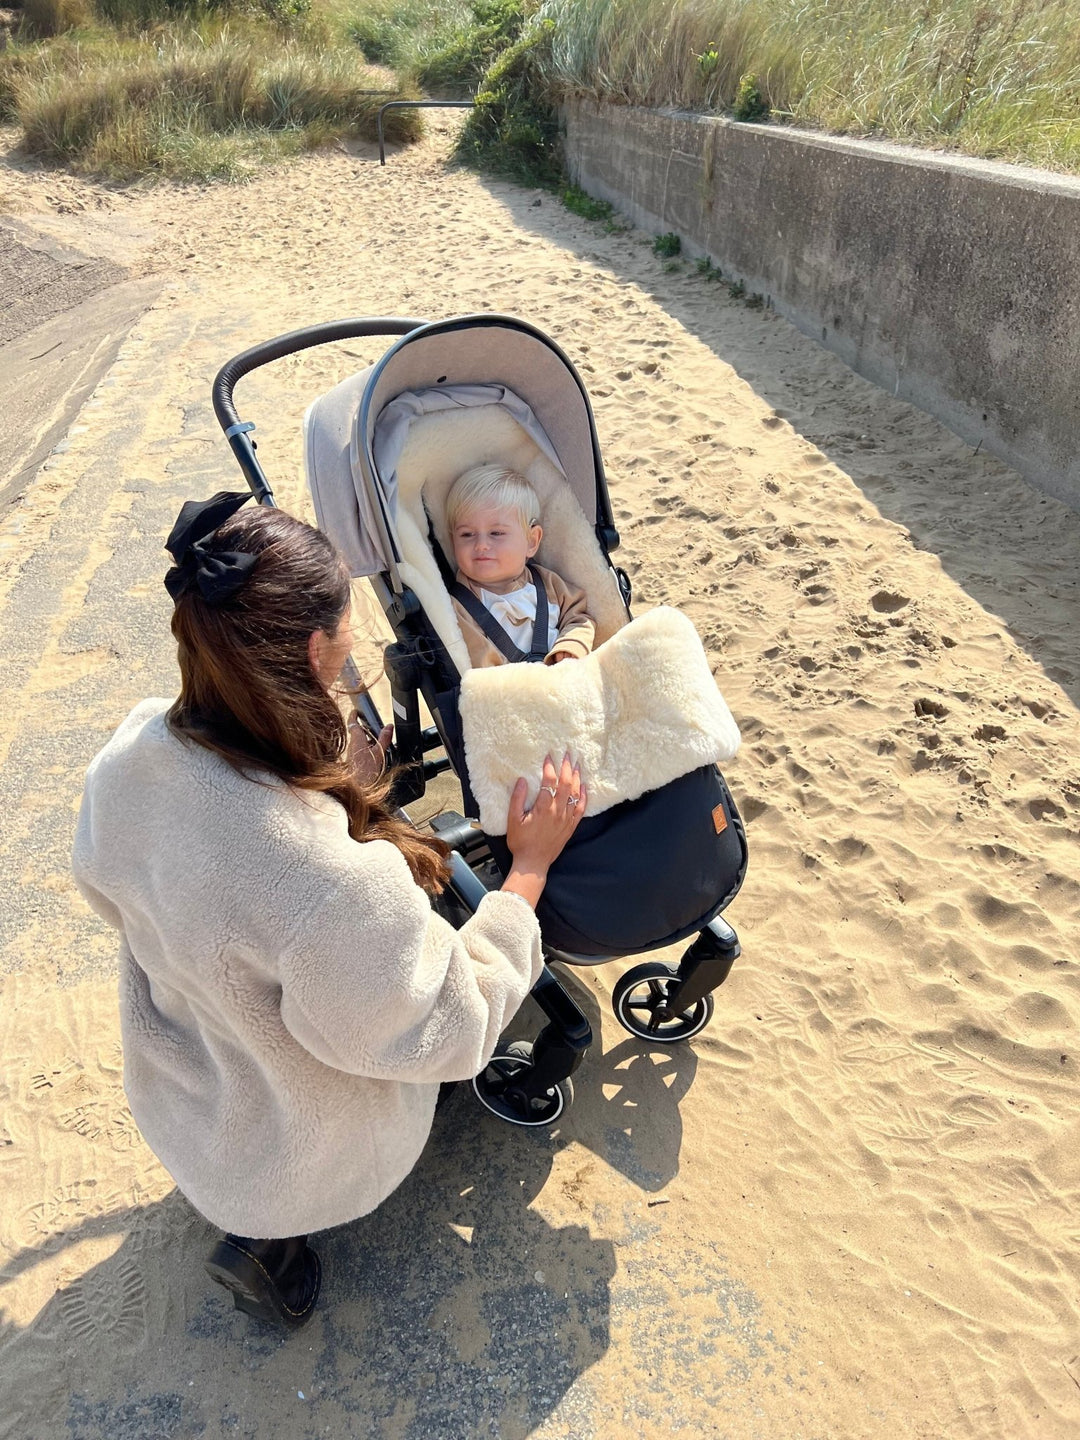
643	1002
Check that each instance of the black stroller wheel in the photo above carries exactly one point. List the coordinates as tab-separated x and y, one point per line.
495	1089
640	1002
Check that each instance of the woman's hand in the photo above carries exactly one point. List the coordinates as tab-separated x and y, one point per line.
367	755
536	837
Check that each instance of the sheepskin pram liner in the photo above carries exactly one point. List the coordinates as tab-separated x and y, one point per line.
442	442
668	852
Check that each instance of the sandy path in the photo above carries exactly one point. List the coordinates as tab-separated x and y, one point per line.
848	1210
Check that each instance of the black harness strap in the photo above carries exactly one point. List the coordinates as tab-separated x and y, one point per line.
478	611
540	628
446	573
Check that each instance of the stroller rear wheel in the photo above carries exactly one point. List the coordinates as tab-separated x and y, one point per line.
499	1087
646	1003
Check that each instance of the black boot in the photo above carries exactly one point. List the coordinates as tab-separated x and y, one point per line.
277	1280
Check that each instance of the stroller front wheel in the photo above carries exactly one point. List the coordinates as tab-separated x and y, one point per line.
501	1087
646	1003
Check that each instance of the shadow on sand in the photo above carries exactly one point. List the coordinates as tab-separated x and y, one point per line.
1009	546
455	1309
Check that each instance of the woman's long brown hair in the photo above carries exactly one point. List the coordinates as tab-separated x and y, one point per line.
247	689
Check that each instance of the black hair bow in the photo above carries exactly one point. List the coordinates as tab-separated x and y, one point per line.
217	575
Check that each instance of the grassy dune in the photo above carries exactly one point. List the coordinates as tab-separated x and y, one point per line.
207	95
994	79
208	88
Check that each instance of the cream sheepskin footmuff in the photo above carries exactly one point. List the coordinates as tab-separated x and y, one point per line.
637	713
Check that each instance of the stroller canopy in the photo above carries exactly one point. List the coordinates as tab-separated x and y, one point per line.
354	433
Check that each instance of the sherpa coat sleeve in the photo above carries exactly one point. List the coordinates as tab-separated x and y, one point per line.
416	1000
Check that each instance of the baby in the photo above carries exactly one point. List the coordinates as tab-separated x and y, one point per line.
508	608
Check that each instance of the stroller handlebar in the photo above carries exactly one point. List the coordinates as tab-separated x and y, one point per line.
311	335
243	447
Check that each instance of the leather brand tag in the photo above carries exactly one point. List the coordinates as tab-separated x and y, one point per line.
719	820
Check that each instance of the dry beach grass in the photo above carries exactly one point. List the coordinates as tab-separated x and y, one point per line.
849	1208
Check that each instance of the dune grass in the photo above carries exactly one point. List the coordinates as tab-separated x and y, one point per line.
403	33
206	95
513	129
210	87
995	79
445	49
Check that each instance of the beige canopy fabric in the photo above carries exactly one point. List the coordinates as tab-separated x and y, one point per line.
499	353
355	502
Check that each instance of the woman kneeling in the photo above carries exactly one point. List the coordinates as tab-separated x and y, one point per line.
290	1003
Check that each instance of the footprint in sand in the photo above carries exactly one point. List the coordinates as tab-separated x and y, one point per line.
887	602
65	1209
988	734
83	1120
107	1304
1045	809
1038	709
926	707
1036	1011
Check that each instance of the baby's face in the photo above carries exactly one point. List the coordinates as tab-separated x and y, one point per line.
491	546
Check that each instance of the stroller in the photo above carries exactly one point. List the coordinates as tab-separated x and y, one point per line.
381	449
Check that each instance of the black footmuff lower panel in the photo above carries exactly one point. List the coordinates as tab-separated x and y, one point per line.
645	873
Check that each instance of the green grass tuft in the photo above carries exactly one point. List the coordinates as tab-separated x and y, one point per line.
190	103
578	203
749	102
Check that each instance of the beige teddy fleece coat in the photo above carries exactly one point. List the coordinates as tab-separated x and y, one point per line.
289	1001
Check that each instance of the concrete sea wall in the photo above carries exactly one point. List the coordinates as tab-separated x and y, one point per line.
952	283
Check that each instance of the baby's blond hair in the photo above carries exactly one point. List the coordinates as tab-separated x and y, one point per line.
496	486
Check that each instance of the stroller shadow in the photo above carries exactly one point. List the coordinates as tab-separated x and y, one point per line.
626	1106
629	1115
1008	545
455	1308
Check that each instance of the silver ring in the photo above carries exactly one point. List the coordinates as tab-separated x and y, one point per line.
571	800
550	790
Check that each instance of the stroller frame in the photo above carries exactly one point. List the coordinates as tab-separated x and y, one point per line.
525	1084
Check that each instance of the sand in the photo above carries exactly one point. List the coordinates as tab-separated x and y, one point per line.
849	1207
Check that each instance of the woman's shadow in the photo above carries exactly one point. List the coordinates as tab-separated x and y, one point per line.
458	1308
454	1309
